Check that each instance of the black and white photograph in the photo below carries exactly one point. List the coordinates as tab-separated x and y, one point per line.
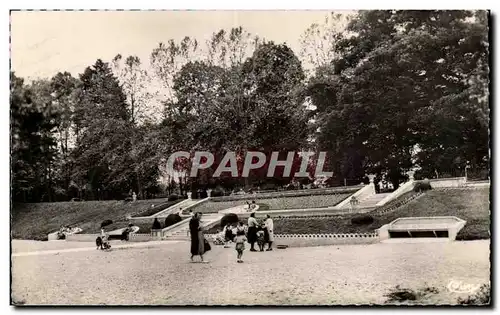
250	157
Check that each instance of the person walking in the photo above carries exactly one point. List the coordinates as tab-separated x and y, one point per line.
198	243
252	231
270	231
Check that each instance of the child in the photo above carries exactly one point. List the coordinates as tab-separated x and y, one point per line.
260	237
105	239
240	244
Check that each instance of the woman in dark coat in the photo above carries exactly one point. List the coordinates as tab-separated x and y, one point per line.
198	246
252	231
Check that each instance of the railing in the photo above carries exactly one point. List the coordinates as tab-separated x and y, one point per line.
396	205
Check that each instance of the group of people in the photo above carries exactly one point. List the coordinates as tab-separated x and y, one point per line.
253	233
65	230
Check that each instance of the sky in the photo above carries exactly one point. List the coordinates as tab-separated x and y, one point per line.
44	43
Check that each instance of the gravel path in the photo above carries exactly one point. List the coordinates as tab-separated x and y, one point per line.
358	274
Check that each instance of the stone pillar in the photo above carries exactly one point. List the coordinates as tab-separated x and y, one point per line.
189	194
371	177
411	174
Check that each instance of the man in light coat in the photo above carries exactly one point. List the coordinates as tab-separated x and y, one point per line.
270	229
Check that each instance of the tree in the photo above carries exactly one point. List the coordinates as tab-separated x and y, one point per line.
399	79
167	60
318	42
34	119
102	159
64	89
136	84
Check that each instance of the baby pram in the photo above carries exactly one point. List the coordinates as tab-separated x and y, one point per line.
102	241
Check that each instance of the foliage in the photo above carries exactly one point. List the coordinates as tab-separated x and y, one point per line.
379	91
384	100
423	185
173	197
482	297
34	119
229	218
362	219
172	219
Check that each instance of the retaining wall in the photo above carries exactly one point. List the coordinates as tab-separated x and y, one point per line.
284	203
91	237
448	182
307	240
289	193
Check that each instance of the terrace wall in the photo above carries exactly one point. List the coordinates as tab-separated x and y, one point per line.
308	240
278	203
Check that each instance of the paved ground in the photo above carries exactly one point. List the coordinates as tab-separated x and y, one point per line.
161	274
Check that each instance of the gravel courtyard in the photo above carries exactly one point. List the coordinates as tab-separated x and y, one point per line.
161	274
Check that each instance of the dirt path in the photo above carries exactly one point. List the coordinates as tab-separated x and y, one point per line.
162	274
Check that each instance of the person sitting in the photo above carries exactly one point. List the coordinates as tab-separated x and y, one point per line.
253	206
126	232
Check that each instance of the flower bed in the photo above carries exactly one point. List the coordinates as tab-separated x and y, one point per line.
284	203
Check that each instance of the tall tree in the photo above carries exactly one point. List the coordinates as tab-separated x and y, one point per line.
401	78
102	159
136	83
34	120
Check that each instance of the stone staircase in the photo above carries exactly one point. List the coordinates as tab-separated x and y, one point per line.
176	208
181	232
372	200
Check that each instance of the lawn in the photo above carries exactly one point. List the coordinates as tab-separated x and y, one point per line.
36	220
470	205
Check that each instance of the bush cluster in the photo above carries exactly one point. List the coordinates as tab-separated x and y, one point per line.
422	185
362	220
172	219
229	218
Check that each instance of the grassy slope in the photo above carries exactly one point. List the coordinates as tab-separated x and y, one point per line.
36	220
470	205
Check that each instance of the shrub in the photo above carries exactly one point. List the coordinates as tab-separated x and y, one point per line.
106	223
173	197
362	220
172	219
229	218
43	238
202	194
217	193
194	194
422	185
479	298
